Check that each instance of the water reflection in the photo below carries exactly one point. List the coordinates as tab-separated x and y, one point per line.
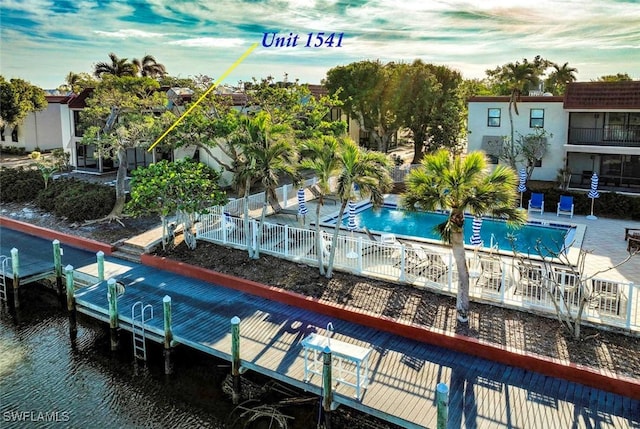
46	381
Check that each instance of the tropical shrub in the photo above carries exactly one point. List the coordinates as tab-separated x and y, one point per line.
19	184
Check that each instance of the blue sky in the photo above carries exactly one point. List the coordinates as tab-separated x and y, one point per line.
42	40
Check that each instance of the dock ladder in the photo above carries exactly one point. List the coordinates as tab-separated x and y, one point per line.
4	263
140	314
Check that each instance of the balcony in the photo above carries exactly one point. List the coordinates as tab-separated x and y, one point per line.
612	135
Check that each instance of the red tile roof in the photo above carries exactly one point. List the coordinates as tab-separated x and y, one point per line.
603	95
317	90
79	101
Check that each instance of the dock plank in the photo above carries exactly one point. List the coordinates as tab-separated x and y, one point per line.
404	372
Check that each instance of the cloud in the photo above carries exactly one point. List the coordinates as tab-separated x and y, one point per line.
598	36
209	42
129	34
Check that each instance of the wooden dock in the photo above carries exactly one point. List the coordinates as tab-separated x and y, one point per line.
404	372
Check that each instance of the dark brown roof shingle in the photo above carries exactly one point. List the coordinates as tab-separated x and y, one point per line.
603	95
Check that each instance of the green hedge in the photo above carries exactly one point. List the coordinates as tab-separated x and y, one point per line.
77	200
19	184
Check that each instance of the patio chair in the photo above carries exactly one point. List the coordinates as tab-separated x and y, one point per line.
315	190
530	280
536	203
566	284
565	206
278	209
425	264
632	237
609	298
490	273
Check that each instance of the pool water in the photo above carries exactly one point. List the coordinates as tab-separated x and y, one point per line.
550	239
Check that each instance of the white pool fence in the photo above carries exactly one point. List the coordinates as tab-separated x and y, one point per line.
498	280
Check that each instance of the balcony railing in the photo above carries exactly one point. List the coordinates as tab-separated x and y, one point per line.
608	136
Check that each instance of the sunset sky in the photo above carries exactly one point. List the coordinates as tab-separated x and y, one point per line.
43	40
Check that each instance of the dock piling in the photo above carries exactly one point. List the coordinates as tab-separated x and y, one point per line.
57	266
71	303
235	359
100	259
168	335
327	394
112	297
442	402
15	267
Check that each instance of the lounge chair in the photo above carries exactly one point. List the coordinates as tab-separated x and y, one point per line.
278	209
530	280
315	190
490	273
566	284
632	236
536	203
565	206
609	298
425	264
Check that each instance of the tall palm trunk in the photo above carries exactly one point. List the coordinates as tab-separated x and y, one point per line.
512	154
459	256
334	240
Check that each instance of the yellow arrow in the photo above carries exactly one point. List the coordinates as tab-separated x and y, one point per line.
211	88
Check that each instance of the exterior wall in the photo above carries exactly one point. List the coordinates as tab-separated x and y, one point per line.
44	129
555	123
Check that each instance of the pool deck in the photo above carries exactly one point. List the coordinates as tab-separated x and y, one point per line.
603	237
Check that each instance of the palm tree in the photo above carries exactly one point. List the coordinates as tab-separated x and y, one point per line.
118	67
560	77
270	154
149	67
518	76
369	171
462	185
321	156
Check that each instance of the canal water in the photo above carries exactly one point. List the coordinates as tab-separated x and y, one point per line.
47	381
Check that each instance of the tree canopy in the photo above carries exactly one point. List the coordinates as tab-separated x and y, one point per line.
369	91
147	66
386	97
18	98
183	187
431	106
118	118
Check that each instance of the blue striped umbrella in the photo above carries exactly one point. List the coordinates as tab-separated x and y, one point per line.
522	176
593	194
476	240
522	185
352	217
302	203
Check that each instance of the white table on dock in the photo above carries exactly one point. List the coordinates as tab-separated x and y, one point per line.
341	353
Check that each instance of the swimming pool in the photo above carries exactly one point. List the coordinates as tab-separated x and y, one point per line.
554	237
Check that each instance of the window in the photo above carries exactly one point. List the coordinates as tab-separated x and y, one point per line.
493	119
1	133
14	134
536	118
